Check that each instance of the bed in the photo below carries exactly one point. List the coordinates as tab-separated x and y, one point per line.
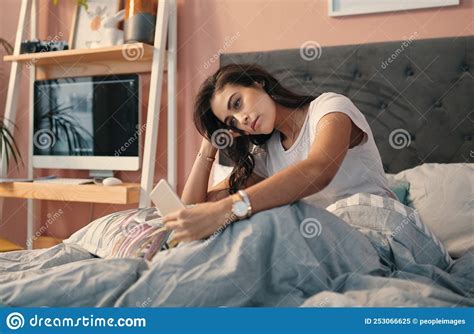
361	251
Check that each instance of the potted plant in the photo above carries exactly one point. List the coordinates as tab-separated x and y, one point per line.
8	145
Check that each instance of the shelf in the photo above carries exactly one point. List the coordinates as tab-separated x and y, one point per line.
45	241
125	52
8	246
126	193
125	58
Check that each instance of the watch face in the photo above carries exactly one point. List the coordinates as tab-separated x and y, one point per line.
240	208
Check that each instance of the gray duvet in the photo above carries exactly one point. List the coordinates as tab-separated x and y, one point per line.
290	256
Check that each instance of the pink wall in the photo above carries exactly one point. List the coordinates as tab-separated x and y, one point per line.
204	26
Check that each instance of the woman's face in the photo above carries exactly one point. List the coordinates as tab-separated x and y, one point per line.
249	109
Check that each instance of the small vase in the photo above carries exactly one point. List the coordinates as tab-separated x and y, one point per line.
140	21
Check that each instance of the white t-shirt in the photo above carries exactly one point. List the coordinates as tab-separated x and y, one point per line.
360	171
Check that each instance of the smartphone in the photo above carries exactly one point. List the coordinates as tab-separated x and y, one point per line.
165	198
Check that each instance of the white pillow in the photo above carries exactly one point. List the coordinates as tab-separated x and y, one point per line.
443	196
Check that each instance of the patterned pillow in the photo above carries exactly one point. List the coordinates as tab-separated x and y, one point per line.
397	223
129	233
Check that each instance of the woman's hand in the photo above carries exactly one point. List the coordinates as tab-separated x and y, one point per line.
199	221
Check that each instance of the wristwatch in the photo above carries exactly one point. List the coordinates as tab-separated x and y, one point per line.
241	207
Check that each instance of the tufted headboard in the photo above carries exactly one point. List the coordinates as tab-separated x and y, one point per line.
417	95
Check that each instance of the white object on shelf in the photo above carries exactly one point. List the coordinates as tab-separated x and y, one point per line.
112	35
111	181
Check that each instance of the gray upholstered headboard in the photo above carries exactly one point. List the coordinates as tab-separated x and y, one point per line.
425	90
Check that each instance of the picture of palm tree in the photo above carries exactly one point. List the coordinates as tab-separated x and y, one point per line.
62	127
58	122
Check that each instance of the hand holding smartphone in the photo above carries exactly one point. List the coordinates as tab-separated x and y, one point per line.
167	201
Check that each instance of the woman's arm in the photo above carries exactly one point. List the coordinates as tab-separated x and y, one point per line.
307	176
290	184
221	190
195	189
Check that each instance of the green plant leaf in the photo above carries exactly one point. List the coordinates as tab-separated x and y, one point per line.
6	152
10	150
1	144
6	45
8	144
15	150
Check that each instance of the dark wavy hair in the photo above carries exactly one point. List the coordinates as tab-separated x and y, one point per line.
247	75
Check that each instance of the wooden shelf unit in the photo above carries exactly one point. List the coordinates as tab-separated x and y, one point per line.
126	193
155	59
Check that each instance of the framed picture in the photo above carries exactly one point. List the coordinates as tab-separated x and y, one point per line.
353	7
88	30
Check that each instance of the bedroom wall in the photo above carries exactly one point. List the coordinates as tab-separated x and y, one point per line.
205	29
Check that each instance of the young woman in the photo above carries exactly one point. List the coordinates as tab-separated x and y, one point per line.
319	149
